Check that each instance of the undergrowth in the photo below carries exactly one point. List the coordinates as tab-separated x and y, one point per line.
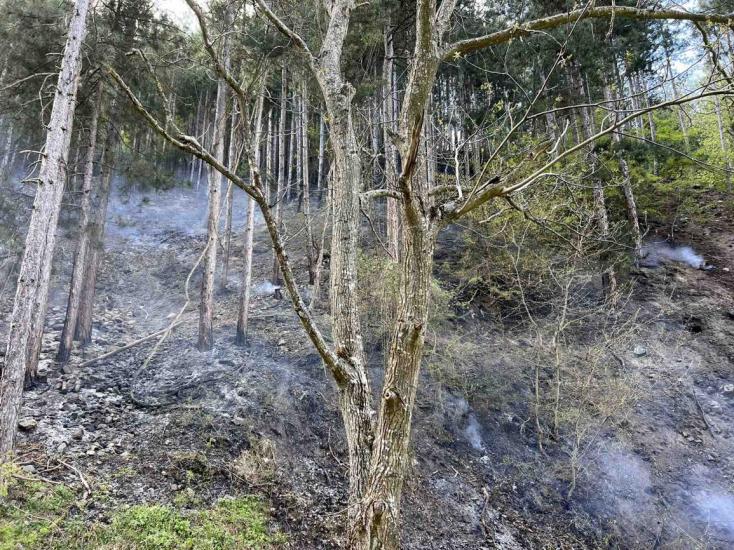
38	514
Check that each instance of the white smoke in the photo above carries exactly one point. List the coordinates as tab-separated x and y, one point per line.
265	288
655	253
716	509
473	433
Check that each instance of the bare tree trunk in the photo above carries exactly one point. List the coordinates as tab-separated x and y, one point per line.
629	197
299	151
206	307
292	144
389	129
72	180
31	296
204	129
380	507
82	250
374	122
609	281
243	315
722	141
310	245
83	330
268	156
196	129
8	147
232	161
322	147
281	163
316	293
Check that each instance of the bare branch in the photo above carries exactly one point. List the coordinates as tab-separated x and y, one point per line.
469	45
190	145
379	193
279	24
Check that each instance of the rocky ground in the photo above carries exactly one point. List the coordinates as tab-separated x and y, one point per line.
263	419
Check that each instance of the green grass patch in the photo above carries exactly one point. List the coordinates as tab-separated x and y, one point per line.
39	515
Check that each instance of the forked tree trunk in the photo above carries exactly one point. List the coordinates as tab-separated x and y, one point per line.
243	315
206	306
378	521
31	295
82	250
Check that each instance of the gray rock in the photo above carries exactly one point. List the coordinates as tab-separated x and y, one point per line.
27	424
728	389
640	351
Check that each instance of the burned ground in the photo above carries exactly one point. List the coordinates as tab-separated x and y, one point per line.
263	419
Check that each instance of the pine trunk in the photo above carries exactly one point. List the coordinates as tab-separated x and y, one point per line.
243	315
229	197
281	163
35	270
310	248
206	306
83	330
82	250
389	129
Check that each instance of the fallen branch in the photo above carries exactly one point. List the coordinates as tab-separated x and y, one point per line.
703	414
87	488
130	345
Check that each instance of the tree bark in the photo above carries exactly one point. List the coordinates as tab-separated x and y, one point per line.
206	307
608	277
322	155
8	153
298	127
722	141
280	187
31	296
82	251
243	315
629	197
389	127
291	150
232	161
310	244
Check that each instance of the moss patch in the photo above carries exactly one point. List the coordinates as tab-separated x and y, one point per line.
38	515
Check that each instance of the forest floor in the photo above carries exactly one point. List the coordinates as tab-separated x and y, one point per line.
193	427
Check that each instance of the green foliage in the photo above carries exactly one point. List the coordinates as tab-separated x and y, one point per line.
232	523
39	515
146	175
30	510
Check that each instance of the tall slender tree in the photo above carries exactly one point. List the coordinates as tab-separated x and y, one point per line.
31	298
